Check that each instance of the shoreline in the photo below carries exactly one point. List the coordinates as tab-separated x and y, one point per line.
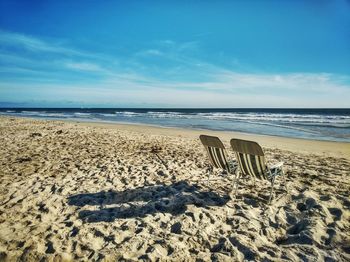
321	125
299	145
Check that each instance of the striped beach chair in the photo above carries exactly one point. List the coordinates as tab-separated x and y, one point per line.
217	155
252	162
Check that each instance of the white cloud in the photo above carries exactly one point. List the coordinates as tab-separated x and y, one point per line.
32	43
36	45
85	66
195	83
166	42
306	82
150	52
228	90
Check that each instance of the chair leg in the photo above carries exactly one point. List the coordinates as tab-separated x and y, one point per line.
208	182
271	191
238	176
284	181
234	182
210	171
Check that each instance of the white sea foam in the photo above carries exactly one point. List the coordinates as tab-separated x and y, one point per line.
297	119
286	118
108	115
332	120
289	124
82	114
128	113
30	112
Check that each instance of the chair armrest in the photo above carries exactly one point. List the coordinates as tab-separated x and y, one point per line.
233	165
278	165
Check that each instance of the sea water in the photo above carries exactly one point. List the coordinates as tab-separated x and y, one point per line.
318	124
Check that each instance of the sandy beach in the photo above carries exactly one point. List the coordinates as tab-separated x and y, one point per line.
107	192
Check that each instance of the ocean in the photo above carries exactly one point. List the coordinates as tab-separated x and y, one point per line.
317	124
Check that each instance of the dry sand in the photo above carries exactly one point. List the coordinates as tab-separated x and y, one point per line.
82	191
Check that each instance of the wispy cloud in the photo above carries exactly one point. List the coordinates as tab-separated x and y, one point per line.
30	58
37	45
33	44
85	66
174	78
150	52
124	92
295	82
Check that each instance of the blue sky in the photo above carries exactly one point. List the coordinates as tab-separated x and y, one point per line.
175	53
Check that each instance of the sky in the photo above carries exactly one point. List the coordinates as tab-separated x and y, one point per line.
175	54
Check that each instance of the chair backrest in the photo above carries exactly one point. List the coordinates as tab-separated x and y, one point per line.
216	151
250	157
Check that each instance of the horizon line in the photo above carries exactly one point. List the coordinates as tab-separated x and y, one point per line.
173	108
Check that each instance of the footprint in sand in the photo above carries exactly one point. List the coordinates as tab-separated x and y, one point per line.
336	212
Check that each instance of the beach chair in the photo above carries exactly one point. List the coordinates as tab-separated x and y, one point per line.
251	160
217	155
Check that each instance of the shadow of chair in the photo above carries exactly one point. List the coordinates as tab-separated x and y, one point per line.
142	201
